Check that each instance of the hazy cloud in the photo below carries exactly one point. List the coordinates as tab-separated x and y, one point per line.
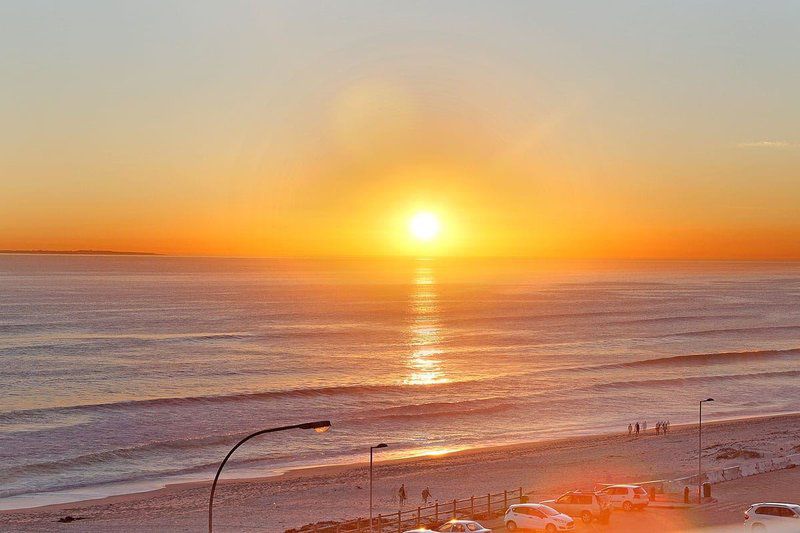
769	144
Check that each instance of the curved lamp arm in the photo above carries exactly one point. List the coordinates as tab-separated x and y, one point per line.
320	426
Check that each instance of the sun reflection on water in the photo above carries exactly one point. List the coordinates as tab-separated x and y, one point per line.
424	363
436	452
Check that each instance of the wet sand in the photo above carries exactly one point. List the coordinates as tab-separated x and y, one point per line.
303	496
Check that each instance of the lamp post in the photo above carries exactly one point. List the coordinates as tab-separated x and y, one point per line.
320	427
700	452
371	449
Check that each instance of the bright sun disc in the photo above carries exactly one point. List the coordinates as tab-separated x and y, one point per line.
424	226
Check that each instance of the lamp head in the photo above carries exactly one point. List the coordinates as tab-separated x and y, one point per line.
320	426
382	445
709	400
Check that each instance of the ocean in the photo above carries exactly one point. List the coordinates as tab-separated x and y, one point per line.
123	373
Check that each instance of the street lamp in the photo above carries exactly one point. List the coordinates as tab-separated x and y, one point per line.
320	427
700	452
371	449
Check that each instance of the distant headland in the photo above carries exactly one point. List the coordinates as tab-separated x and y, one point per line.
74	252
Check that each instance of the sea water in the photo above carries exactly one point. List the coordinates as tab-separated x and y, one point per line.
123	373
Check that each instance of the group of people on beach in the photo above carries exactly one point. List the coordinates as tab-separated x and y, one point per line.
661	427
402	497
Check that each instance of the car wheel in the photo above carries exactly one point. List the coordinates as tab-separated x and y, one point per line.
586	516
511	526
550	528
627	506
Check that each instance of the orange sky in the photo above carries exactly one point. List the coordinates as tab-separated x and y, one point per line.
534	131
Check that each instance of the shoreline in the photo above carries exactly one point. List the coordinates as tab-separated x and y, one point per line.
544	469
422	459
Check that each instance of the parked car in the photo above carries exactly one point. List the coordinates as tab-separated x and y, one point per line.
537	516
627	497
463	526
772	517
587	506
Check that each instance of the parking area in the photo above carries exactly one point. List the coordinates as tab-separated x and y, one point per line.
723	516
647	521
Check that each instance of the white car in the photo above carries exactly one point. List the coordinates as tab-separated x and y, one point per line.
783	517
537	516
627	497
463	526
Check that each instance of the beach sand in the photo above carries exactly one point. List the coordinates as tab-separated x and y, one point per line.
304	496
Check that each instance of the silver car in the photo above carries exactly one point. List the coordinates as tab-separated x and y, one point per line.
463	526
587	506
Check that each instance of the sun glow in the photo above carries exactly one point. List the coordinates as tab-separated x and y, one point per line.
436	452
424	226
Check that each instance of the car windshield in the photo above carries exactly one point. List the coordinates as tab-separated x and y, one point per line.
549	511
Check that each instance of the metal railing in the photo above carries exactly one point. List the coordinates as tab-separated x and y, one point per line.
474	507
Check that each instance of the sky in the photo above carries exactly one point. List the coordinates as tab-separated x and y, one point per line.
536	129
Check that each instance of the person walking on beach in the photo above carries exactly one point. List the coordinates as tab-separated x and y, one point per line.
637	428
426	494
630	429
401	495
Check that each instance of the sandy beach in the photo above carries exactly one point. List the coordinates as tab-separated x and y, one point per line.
542	468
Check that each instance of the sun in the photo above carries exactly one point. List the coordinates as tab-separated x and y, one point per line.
424	226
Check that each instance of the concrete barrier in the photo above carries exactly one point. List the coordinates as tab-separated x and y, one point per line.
729	474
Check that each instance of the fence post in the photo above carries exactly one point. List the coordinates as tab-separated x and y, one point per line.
489	506
436	506
454	509
399	522
419	516
520	494
472	507
380	524
505	499
358	525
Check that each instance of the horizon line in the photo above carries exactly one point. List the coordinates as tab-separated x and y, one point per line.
91	252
